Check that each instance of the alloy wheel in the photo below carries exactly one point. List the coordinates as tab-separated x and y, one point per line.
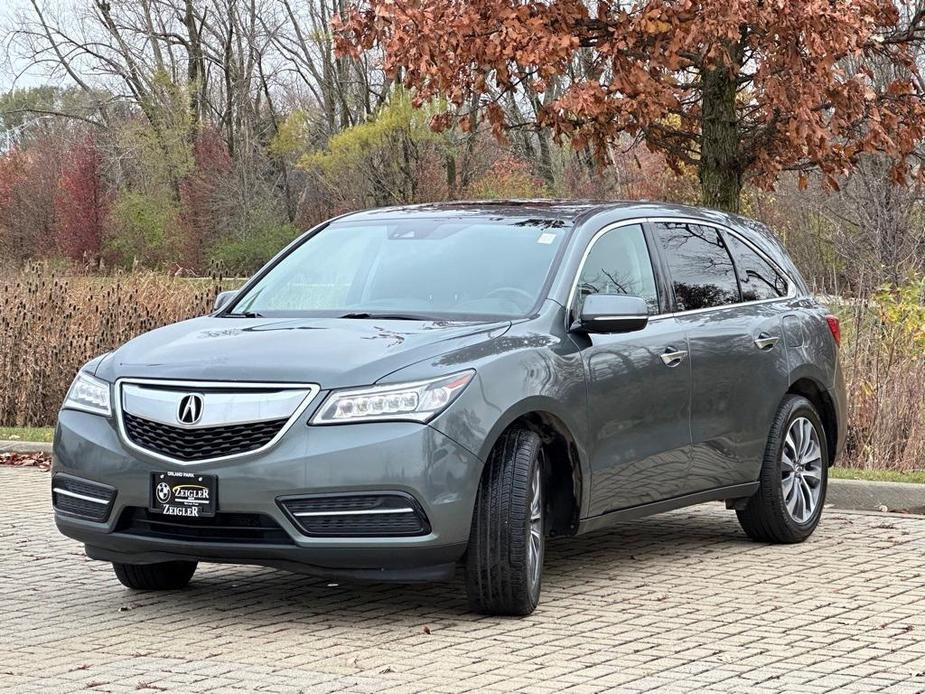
535	540
801	470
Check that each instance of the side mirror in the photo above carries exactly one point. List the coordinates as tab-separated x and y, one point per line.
223	298
612	313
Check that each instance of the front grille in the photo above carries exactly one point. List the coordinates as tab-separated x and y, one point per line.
200	444
239	528
358	515
82	498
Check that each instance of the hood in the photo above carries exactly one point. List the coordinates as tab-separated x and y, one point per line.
332	352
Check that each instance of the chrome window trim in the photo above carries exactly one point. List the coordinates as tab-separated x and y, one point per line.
791	285
636	316
312	388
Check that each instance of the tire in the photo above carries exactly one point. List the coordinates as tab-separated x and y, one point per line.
782	513
504	560
168	575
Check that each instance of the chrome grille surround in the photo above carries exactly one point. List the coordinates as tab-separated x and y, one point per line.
227	404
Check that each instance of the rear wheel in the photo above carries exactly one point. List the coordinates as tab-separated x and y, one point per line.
794	477
168	575
504	561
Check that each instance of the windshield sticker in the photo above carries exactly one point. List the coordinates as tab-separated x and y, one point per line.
546	239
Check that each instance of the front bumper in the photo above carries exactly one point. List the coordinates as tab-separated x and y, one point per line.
404	457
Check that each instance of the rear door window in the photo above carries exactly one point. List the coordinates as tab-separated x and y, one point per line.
758	278
702	273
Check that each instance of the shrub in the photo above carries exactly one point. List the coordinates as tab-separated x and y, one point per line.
244	256
390	159
507	178
142	229
884	360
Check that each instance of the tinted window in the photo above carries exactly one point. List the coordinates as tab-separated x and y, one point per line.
758	278
701	270
430	267
619	264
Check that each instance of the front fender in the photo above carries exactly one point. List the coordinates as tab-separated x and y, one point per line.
541	381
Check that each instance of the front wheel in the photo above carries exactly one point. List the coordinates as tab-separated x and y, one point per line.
168	575
794	477
504	561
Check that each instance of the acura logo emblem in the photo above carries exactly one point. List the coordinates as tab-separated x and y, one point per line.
190	410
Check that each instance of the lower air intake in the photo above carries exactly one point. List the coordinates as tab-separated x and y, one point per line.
358	515
81	498
233	528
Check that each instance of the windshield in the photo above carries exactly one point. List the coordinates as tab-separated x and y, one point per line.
412	268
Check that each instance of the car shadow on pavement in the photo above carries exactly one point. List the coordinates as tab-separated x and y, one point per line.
255	594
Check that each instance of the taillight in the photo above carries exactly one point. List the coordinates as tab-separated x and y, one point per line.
834	327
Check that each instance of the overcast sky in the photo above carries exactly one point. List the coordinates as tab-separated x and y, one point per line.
28	76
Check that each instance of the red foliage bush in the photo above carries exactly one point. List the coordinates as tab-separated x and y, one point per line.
197	197
28	181
80	203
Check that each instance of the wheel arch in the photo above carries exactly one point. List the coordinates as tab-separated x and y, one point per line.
818	395
566	476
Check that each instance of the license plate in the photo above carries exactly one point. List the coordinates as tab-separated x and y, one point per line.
183	494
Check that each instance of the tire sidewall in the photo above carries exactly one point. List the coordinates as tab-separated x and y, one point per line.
498	576
799	407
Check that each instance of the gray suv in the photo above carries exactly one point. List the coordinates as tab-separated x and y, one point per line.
403	390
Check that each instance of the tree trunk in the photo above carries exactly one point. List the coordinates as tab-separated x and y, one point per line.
450	162
195	66
720	167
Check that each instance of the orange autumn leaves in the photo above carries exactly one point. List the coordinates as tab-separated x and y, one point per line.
817	82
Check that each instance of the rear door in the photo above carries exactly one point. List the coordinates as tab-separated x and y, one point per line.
765	291
738	366
638	399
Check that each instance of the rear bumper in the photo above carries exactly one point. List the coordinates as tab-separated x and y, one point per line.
403	457
839	395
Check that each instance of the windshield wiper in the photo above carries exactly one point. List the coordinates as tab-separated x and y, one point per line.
244	314
383	316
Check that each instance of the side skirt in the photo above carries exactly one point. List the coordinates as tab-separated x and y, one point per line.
605	520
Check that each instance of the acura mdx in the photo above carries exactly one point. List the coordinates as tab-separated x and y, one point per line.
401	391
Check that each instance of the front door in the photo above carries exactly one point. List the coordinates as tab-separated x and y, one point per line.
638	383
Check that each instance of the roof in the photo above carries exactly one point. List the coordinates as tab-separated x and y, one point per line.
573	211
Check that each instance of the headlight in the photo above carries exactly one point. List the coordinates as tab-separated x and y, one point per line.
418	402
88	394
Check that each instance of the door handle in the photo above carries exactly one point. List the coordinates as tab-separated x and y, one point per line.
765	341
672	357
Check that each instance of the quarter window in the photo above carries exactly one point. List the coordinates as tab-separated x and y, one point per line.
702	272
619	264
758	278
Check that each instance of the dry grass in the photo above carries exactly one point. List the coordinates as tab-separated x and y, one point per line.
883	355
50	325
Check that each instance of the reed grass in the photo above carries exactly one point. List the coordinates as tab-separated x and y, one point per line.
52	324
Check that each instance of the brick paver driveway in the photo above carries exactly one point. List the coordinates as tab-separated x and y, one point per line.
679	602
